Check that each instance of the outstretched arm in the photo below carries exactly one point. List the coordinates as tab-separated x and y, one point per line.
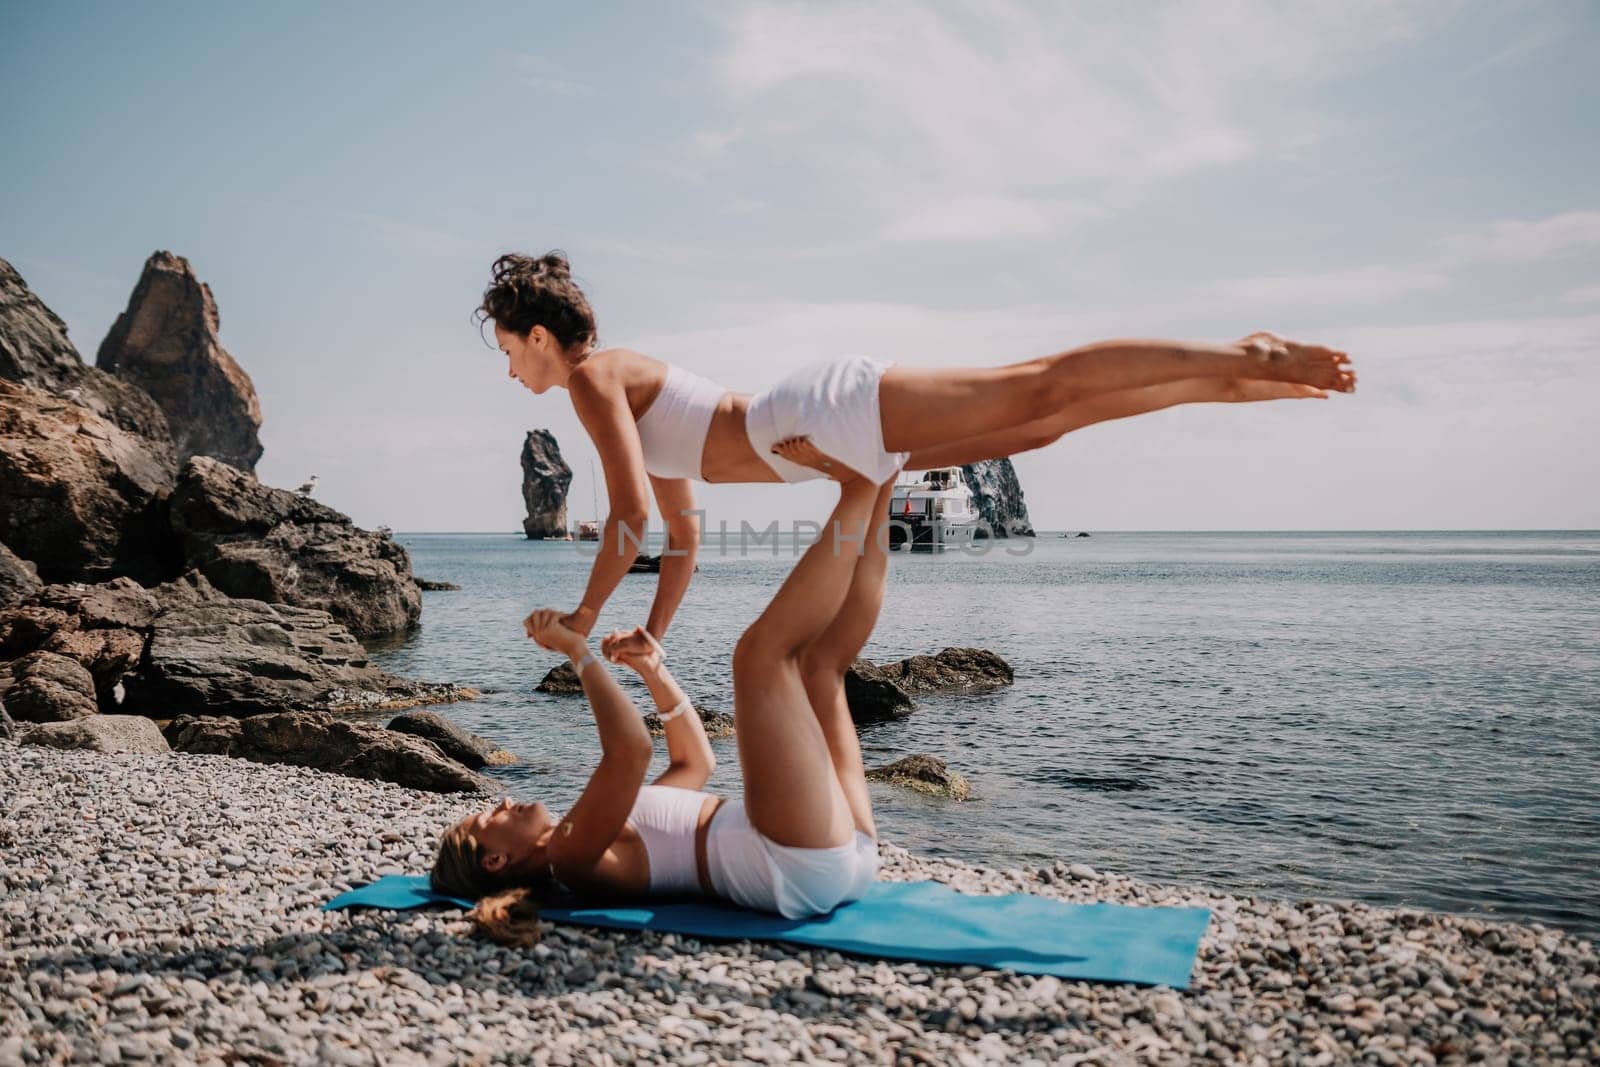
602	405
675	498
595	821
690	760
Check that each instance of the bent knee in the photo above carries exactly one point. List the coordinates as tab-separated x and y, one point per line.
759	651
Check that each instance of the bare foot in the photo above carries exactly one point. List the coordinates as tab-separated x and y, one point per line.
1283	360
1245	390
800	450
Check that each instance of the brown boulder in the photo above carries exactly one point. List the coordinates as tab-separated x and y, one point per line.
320	741
251	540
100	733
79	496
46	687
717	724
954	670
18	578
104	628
166	343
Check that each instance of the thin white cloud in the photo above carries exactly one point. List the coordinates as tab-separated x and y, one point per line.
548	78
996	102
1526	241
1360	285
983	217
1584	294
417	237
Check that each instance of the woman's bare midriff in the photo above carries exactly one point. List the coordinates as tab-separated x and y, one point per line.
727	456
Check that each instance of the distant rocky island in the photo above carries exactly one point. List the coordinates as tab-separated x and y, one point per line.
147	576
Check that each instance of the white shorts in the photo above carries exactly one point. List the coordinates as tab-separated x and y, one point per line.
797	883
835	403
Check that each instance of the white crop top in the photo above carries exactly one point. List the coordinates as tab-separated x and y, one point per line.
673	428
665	817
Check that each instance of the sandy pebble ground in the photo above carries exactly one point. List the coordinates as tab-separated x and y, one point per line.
164	910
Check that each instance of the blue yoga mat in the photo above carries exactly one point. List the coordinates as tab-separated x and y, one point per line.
922	921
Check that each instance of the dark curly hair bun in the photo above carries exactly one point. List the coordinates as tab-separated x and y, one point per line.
528	291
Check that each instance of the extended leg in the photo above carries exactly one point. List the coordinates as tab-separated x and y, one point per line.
1104	407
792	793
923	408
824	661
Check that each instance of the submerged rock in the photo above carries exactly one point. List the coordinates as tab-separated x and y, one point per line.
873	696
545	478
997	495
925	774
430	586
954	670
166	342
100	733
560	679
18	578
457	742
318	740
251	540
717	724
80	497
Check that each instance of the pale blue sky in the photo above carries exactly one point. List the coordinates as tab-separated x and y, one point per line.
743	187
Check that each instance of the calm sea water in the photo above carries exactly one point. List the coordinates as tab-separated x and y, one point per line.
1402	718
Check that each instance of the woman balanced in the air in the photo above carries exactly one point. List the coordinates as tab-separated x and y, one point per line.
659	427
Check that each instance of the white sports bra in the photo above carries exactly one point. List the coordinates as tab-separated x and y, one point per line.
666	817
673	428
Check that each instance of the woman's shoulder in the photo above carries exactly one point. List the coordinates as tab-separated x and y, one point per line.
626	365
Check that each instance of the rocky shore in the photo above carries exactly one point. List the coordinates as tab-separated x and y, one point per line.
165	909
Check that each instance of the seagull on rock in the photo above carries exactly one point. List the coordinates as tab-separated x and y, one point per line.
309	487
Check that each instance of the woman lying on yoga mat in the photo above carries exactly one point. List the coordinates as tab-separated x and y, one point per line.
659	424
800	842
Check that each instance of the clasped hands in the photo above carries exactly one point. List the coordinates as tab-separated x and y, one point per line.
635	648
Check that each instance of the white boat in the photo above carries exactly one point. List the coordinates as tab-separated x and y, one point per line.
933	508
588	530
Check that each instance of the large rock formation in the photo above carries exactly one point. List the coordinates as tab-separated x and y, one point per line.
254	541
18	578
318	740
34	351
954	670
186	648
80	497
166	342
998	497
545	478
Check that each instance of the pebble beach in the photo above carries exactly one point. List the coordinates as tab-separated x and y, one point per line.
165	909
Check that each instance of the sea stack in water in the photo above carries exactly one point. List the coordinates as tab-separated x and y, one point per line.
997	495
545	478
166	342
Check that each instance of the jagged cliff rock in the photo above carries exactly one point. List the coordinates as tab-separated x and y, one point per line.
251	540
545	477
80	497
998	497
34	351
166	342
